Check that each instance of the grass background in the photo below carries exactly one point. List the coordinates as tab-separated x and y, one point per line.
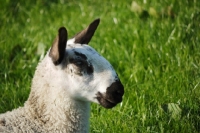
153	45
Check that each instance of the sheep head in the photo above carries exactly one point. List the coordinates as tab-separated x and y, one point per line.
87	75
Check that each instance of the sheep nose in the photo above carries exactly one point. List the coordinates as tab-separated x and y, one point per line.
115	92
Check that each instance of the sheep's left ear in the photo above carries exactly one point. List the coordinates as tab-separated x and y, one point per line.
85	35
57	51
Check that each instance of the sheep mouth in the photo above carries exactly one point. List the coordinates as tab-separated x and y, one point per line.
105	102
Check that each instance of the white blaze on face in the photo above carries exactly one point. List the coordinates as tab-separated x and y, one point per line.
85	86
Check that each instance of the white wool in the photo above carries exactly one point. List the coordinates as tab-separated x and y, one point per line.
48	109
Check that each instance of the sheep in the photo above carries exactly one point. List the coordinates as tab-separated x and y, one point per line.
70	77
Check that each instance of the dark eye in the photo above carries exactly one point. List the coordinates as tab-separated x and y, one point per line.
90	69
79	62
82	66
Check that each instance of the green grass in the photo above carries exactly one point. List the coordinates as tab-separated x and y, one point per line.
154	47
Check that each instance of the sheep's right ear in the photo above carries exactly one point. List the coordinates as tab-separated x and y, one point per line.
57	51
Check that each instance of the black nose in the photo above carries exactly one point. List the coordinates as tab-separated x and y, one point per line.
115	92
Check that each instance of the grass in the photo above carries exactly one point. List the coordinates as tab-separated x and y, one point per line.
153	45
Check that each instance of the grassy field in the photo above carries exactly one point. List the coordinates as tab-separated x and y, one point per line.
153	45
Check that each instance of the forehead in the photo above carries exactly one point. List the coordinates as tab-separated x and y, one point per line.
87	53
82	50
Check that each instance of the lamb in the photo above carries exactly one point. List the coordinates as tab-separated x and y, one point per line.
66	81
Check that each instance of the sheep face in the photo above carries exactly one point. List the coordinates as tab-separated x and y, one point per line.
90	77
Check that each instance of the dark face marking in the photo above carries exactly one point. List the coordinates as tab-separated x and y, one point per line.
113	95
115	91
81	64
80	54
90	69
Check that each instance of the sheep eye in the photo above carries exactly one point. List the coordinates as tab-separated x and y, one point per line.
82	66
79	63
90	69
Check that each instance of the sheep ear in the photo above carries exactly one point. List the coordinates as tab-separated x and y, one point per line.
57	50
85	35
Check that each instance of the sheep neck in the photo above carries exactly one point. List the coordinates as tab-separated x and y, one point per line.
53	109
